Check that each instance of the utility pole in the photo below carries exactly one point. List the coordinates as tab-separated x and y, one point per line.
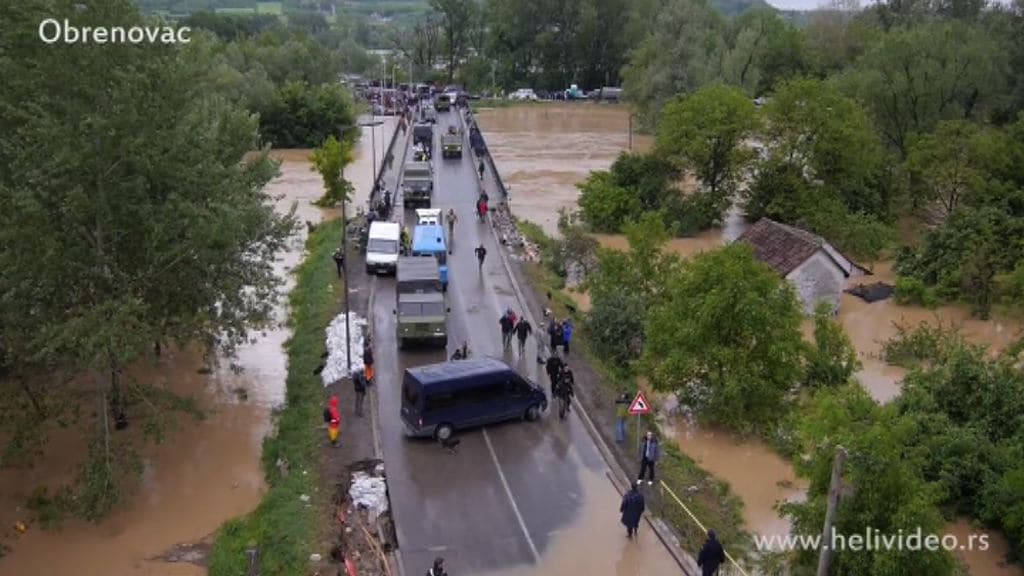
834	490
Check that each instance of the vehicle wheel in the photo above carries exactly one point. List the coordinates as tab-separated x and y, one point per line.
443	432
532	413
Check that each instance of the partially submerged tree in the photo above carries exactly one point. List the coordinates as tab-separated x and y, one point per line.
132	210
727	338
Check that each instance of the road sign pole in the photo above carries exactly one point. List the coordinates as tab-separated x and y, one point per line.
638	437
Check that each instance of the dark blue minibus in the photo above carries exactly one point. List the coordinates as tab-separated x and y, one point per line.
438	399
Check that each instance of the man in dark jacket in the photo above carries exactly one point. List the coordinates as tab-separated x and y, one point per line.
553	367
359	384
711	556
523	330
632	508
506	329
650	451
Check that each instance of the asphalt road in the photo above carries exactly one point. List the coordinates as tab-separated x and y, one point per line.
507	495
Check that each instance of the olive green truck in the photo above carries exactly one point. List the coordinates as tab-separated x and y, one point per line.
422	310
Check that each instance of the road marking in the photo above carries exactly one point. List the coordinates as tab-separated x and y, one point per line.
508	492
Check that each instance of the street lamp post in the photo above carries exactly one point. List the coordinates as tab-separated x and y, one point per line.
631	115
344	236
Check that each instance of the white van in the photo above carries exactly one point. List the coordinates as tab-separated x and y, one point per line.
382	245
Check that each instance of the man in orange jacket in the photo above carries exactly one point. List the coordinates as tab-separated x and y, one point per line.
332	417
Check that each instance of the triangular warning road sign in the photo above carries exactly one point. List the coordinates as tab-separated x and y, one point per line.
639	405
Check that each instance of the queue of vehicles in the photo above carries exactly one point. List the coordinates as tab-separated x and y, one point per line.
439	399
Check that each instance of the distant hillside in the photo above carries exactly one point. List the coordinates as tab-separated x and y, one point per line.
735	7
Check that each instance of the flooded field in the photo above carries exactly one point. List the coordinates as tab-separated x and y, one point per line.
544	151
208	471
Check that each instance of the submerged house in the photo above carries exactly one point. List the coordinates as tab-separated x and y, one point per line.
816	270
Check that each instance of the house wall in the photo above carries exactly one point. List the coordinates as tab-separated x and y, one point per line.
818	278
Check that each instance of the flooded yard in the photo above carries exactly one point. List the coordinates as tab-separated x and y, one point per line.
544	151
207	471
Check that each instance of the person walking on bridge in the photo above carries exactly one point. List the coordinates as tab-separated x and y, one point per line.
507	322
632	509
359	384
451	218
481	253
523	330
480	168
438	568
711	556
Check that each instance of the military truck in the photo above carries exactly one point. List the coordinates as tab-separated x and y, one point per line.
423	133
417	184
451	146
422	311
443	102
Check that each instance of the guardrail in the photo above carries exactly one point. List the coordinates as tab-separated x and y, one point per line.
372	199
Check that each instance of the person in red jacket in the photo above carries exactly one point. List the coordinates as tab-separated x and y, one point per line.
332	417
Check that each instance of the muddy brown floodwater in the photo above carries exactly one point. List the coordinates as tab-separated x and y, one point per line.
207	471
543	151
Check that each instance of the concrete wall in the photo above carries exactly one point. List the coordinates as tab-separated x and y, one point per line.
818	278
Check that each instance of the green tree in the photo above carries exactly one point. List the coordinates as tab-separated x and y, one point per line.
132	211
605	205
455	19
947	167
764	51
705	132
727	339
303	116
828	138
915	77
329	160
832	360
681	53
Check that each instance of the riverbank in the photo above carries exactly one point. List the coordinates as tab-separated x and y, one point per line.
283	528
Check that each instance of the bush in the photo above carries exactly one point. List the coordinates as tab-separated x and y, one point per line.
832	360
615	324
604	205
690	215
910	290
303	116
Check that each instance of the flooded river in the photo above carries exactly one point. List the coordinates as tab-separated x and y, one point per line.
544	151
208	471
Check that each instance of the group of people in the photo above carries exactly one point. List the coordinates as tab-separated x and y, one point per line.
361	380
560	334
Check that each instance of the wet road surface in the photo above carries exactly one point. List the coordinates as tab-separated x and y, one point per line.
517	496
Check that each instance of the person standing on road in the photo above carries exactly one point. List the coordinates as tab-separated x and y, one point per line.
566	335
523	330
632	509
621	413
650	451
711	556
438	568
506	329
451	218
339	261
555	333
387	203
359	384
332	417
480	168
368	361
481	253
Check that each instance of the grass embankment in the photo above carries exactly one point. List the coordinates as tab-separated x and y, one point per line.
283	528
713	503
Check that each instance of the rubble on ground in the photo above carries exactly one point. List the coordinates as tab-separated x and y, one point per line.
337	366
366	533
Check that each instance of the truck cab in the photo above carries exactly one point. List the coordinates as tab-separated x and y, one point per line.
422	311
382	247
417	184
429	240
443	102
451	145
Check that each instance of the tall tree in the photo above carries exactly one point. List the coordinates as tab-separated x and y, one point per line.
682	52
704	131
947	167
727	338
132	209
456	16
915	77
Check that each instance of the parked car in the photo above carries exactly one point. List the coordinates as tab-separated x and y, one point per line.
523	94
